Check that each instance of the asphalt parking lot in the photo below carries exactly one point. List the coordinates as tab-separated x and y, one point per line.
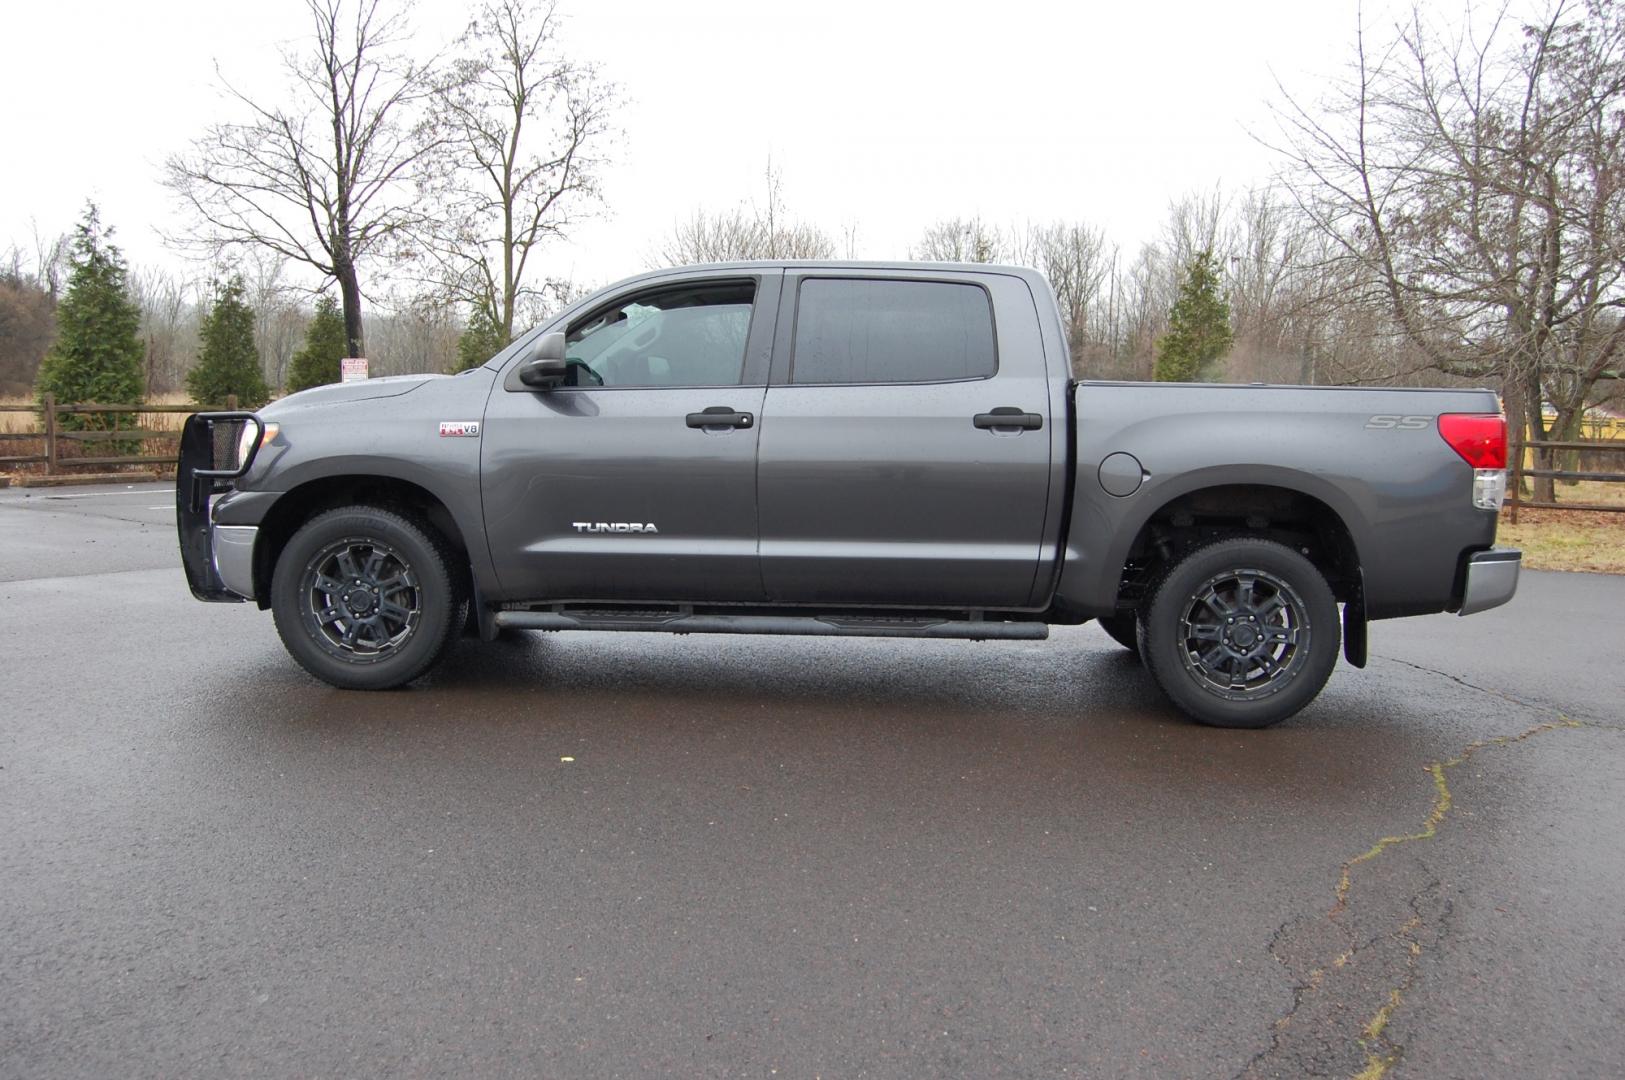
632	855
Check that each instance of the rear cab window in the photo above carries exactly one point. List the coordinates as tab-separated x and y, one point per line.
876	330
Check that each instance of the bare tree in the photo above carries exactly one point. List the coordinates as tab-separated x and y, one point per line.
962	240
27	324
765	231
1475	181
849	238
50	259
418	333
169	306
1283	288
321	180
1195	224
1146	288
1077	262
30	284
518	127
704	237
280	314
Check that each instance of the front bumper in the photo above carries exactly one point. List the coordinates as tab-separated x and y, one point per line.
1492	578
233	554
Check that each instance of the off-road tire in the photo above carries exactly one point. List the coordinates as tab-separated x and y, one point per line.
1202	624
387	650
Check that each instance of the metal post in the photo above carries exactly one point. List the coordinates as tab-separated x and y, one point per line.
50	434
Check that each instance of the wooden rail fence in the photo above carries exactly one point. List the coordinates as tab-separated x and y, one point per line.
54	436
1515	497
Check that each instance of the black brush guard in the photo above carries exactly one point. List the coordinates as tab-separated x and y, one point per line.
206	440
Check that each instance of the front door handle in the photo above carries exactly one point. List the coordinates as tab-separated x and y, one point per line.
719	416
1006	416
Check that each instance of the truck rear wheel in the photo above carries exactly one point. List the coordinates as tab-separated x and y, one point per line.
364	598
1241	633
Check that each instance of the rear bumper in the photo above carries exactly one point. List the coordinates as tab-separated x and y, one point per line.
1492	578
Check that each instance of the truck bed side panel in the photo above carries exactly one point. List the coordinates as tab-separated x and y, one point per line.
1403	493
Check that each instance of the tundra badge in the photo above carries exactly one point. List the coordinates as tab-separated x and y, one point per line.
614	527
459	429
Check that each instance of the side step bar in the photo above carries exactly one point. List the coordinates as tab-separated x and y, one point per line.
804	625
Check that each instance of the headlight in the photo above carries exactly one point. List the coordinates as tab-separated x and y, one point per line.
245	441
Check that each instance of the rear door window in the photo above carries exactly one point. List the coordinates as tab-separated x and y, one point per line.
880	331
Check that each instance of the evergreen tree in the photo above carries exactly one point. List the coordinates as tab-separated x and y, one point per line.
482	339
317	362
97	355
228	362
1199	332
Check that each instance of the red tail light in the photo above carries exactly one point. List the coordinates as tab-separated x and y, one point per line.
1481	440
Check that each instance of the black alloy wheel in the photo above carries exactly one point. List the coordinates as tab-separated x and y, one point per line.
1241	633
366	598
362	598
1245	634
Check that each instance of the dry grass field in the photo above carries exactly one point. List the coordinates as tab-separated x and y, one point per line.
1571	539
29	420
19	416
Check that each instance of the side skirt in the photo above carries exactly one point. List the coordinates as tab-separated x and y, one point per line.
680	621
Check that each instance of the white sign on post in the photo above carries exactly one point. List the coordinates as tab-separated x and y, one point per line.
354	369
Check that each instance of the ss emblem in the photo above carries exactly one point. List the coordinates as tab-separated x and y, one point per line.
1399	423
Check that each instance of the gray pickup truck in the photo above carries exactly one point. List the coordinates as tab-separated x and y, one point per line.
893	450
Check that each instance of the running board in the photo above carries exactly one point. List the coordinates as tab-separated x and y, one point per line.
660	622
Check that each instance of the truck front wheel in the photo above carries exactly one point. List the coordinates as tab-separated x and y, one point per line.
364	598
1241	633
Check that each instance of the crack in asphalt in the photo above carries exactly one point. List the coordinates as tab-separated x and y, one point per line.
1537	706
1380	1051
1442	802
1328	1051
1459	681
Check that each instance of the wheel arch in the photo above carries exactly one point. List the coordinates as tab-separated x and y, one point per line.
301	503
1280	504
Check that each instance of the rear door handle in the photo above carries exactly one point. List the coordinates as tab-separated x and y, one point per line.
1006	416
720	416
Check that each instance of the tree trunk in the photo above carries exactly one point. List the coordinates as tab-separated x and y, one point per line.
1540	487
1566	428
509	286
350	289
1517	428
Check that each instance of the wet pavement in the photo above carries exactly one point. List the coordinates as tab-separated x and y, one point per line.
634	855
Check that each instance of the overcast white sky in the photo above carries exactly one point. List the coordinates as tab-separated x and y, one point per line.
883	115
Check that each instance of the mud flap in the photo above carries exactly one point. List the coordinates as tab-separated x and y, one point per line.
484	619
1354	633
